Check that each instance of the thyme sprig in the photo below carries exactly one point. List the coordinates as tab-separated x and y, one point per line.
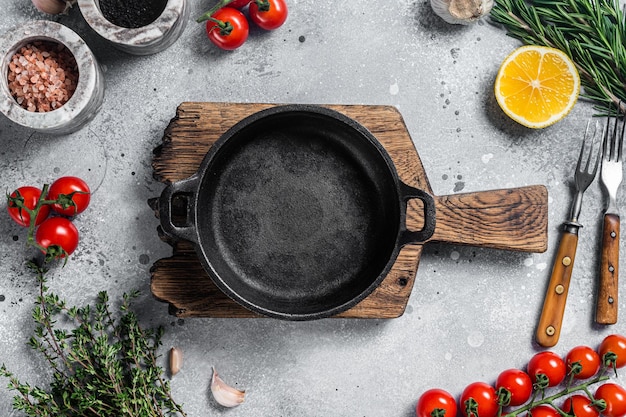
591	32
104	366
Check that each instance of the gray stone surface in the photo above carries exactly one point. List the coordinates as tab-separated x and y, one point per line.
472	312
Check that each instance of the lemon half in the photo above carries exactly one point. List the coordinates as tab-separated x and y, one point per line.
537	86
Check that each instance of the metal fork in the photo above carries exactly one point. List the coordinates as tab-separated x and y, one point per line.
549	328
610	178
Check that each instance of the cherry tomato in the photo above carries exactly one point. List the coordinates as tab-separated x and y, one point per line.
615	343
73	193
479	400
235	35
543	410
57	232
615	398
548	364
517	384
580	406
239	4
436	403
29	197
583	362
269	19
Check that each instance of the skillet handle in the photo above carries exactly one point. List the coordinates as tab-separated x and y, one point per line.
419	236
187	189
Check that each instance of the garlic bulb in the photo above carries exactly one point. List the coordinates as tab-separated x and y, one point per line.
53	6
176	360
461	12
224	394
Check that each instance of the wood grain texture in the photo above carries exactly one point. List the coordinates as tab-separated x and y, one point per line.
608	284
506	219
549	327
514	219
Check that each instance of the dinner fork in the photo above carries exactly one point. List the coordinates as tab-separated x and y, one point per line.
610	178
549	328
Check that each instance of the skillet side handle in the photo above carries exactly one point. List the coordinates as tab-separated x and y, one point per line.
418	236
186	188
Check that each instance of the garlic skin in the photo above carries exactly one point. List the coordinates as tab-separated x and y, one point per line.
176	360
461	12
224	394
54	6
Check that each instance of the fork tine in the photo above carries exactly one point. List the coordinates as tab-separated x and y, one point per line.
621	140
613	152
598	156
606	146
580	157
591	147
589	157
584	175
582	148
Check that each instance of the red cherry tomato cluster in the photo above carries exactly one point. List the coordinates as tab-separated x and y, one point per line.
525	389
54	232
228	28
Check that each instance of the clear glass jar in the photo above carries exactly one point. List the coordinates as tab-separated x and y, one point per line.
86	99
149	39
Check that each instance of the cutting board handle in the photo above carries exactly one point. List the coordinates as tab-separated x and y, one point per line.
511	219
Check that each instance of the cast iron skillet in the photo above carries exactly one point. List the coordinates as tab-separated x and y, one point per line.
296	212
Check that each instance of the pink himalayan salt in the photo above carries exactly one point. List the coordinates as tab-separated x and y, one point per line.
42	76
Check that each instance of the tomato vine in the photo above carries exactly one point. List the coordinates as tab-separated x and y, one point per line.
55	236
518	392
227	26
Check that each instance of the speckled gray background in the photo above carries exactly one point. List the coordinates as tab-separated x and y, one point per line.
472	312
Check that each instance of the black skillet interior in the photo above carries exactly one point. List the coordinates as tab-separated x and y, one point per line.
298	213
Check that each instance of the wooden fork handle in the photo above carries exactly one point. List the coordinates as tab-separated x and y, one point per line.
606	306
549	328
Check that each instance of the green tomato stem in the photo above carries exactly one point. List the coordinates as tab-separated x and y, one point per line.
33	217
207	15
550	400
264	5
53	251
225	27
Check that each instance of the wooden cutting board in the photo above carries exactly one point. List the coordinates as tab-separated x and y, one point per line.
511	219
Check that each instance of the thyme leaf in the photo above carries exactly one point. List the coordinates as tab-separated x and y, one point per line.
103	363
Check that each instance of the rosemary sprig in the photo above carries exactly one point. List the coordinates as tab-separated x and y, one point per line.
591	32
101	367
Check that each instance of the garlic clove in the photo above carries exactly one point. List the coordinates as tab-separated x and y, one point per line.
462	12
53	6
176	360
224	394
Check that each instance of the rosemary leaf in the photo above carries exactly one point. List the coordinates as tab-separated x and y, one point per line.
591	32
